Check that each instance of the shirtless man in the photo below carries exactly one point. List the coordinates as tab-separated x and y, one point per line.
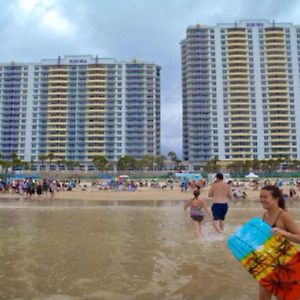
221	194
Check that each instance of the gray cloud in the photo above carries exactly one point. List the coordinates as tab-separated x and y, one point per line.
147	30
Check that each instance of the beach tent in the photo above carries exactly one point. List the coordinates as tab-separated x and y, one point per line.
251	175
105	176
25	175
188	176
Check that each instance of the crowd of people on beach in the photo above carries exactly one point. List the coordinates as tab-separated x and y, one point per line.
29	187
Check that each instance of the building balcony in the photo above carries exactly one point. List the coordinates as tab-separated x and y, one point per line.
239	85
234	102
277	89
57	96
274	37
236	67
96	85
56	106
280	47
239	60
56	89
282	108
245	147
94	120
93	92
95	133
96	98
56	148
278	102
282	139
245	122
248	134
276	61
278	95
286	115
58	76
233	48
57	116
96	68
60	143
95	111
279	127
281	150
58	122
274	69
243	95
57	135
234	31
92	153
61	81
58	68
238	89
279	121
52	93
98	103
234	38
271	52
95	148
235	126
277	77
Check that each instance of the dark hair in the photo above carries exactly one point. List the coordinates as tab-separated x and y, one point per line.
219	176
276	193
196	193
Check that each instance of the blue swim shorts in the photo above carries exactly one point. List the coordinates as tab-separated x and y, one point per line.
219	211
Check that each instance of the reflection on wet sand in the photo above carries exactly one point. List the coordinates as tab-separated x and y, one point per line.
63	250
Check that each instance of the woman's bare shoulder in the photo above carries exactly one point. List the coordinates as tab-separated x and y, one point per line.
287	216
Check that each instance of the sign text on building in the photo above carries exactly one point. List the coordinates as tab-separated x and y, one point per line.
255	24
77	61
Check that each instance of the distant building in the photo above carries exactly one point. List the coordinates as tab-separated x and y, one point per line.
241	91
79	107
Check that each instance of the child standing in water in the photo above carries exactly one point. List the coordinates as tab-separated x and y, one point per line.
197	205
271	199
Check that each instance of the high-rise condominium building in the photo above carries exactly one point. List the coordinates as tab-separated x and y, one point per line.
241	91
79	107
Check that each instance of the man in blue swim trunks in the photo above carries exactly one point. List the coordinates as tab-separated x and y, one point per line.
221	194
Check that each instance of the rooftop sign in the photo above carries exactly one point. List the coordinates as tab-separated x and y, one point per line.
77	61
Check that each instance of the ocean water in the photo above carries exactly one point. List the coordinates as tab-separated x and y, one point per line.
118	250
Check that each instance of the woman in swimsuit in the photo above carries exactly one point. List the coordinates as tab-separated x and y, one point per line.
197	205
277	217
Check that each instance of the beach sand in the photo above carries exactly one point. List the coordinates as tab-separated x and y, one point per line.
144	193
140	195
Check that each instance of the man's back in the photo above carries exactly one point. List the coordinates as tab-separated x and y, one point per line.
220	192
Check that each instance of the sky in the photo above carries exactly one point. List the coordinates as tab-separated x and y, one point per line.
147	30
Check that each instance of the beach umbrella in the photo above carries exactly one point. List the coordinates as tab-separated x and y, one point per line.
251	175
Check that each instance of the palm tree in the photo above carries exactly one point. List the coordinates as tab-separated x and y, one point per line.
147	162
43	158
212	165
256	165
15	160
5	165
159	160
126	162
50	157
172	156
100	162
